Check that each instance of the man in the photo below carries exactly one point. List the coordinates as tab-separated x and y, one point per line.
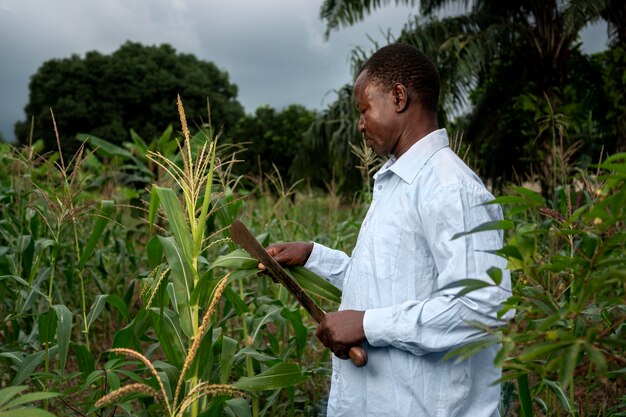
393	303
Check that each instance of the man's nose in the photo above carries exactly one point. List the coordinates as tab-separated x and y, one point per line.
361	124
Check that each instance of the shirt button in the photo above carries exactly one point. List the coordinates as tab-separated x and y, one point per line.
380	187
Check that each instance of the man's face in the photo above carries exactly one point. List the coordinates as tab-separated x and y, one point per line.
377	122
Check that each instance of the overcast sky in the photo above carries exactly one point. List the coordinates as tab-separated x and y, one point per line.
273	50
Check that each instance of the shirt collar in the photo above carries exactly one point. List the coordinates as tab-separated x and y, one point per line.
411	162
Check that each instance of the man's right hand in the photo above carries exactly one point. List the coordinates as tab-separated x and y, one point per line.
290	253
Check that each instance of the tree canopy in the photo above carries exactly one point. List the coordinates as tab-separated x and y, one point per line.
520	65
134	87
271	138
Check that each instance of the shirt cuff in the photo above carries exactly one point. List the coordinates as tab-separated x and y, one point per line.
377	323
314	258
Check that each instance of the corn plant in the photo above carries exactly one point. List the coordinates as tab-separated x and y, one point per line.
176	293
46	242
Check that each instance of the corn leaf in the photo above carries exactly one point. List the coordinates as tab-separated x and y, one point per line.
167	328
176	217
47	324
98	306
182	277
279	376
237	259
237	407
64	332
227	356
106	208
314	284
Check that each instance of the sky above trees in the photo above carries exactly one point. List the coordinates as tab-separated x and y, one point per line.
273	50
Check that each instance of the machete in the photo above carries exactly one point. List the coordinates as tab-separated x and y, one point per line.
240	234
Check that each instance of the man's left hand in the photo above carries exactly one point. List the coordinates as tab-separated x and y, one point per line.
341	330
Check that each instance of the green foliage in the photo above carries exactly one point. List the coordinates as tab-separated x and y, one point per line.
271	139
13	401
564	346
325	154
520	66
134	87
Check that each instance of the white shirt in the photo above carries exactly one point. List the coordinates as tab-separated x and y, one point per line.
403	256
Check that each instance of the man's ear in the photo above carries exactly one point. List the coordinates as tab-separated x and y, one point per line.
401	97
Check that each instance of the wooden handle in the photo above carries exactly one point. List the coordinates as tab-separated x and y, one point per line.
358	356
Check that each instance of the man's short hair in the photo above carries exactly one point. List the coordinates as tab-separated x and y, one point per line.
405	64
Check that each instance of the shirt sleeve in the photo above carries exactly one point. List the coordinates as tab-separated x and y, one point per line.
442	322
331	264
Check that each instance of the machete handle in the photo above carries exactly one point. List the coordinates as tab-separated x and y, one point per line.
358	356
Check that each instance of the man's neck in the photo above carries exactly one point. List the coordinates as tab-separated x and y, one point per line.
413	133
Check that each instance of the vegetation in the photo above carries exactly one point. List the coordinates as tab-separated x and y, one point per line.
122	293
134	87
510	66
112	308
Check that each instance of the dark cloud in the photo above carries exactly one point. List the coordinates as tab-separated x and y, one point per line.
273	49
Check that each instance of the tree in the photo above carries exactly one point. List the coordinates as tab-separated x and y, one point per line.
501	55
325	154
271	138
134	87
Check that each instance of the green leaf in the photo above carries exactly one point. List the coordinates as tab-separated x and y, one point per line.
176	217
279	376
237	407
26	412
9	392
237	259
31	397
248	351
98	306
258	323
107	147
64	332
30	362
47	324
468	284
568	364
106	208
495	274
182	278
238	303
541	349
155	252
509	199
84	358
471	348
493	225
559	394
204	288
314	284
167	328
227	356
532	196
524	396
597	358
155	202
